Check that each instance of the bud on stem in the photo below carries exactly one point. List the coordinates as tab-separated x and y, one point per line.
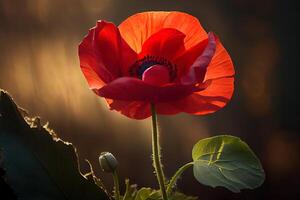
109	164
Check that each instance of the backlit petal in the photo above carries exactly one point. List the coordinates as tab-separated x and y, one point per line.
134	89
185	60
139	27
220	65
132	109
166	43
213	98
198	69
105	54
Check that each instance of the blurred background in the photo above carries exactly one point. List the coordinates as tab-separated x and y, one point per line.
39	66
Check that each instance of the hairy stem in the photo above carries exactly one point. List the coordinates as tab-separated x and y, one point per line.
156	155
117	186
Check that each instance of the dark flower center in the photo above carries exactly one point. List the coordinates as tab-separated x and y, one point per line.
143	64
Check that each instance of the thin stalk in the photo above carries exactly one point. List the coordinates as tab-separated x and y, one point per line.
117	185
177	175
156	155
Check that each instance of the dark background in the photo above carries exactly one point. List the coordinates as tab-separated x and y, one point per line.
39	67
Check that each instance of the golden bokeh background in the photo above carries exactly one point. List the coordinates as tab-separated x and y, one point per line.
39	66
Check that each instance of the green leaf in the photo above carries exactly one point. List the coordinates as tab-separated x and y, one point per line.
227	161
37	164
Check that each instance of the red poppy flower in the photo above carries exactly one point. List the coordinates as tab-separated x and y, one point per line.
165	58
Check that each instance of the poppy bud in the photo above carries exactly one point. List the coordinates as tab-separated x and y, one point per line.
108	162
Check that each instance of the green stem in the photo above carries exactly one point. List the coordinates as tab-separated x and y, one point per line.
177	175
156	155
117	185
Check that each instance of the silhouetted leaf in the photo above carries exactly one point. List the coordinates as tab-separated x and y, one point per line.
227	161
39	165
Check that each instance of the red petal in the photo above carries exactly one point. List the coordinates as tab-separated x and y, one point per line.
105	54
220	71
209	100
220	65
133	89
139	27
132	109
166	43
185	60
94	81
140	109
198	69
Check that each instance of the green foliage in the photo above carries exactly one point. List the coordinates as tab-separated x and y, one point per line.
150	194
227	161
147	194
37	164
130	192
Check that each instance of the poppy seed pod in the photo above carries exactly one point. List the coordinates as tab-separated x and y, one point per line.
108	162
